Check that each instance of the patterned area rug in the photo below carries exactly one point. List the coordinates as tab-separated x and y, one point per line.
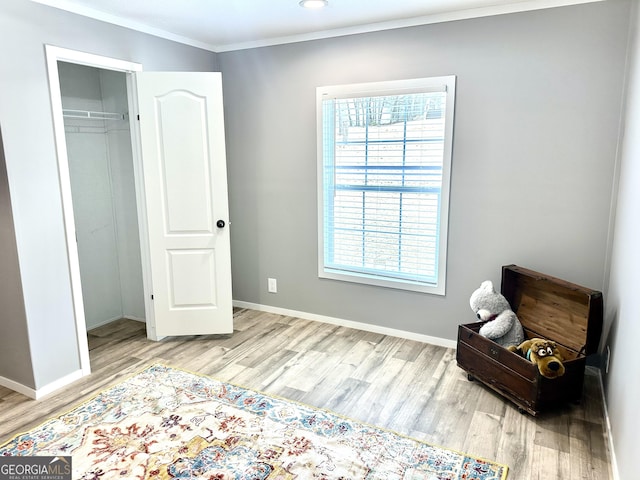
167	423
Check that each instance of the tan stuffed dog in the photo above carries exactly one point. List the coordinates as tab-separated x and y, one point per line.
543	353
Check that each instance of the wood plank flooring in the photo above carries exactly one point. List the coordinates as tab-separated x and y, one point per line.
413	388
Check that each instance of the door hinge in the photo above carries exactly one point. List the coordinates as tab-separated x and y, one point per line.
152	296
138	116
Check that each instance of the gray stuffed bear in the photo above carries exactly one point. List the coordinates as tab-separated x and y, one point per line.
503	326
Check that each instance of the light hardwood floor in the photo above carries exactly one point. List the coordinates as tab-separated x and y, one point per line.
413	388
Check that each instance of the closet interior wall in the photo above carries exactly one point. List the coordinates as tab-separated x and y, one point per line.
103	191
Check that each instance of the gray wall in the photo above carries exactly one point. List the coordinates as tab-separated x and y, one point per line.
27	128
535	136
622	307
14	339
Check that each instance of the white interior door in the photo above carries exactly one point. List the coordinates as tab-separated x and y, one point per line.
185	190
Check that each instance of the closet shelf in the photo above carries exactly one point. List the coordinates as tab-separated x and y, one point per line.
68	113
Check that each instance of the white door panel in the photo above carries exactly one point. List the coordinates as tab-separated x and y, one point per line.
184	169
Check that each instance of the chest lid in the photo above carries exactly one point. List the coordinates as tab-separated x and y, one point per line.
551	308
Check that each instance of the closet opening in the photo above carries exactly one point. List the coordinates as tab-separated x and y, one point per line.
98	165
100	158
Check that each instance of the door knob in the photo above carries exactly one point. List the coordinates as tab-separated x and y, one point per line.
220	224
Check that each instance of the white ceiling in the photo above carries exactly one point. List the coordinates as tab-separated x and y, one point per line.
223	25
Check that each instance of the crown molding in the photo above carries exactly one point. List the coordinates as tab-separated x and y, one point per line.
515	7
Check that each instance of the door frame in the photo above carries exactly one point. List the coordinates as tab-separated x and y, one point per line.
53	56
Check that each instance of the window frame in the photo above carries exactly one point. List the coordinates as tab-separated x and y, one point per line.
393	87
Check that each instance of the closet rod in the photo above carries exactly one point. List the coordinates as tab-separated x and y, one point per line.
68	113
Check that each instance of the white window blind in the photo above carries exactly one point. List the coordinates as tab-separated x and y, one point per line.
384	162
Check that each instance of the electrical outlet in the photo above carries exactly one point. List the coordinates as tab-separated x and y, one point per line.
607	359
272	285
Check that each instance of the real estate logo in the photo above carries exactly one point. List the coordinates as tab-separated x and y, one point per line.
35	468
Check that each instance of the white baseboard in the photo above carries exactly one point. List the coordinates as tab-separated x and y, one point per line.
367	327
58	384
37	394
18	387
102	323
612	451
110	320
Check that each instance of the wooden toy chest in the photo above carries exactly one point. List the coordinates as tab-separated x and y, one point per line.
549	308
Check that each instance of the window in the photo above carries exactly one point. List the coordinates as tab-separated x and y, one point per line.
384	157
